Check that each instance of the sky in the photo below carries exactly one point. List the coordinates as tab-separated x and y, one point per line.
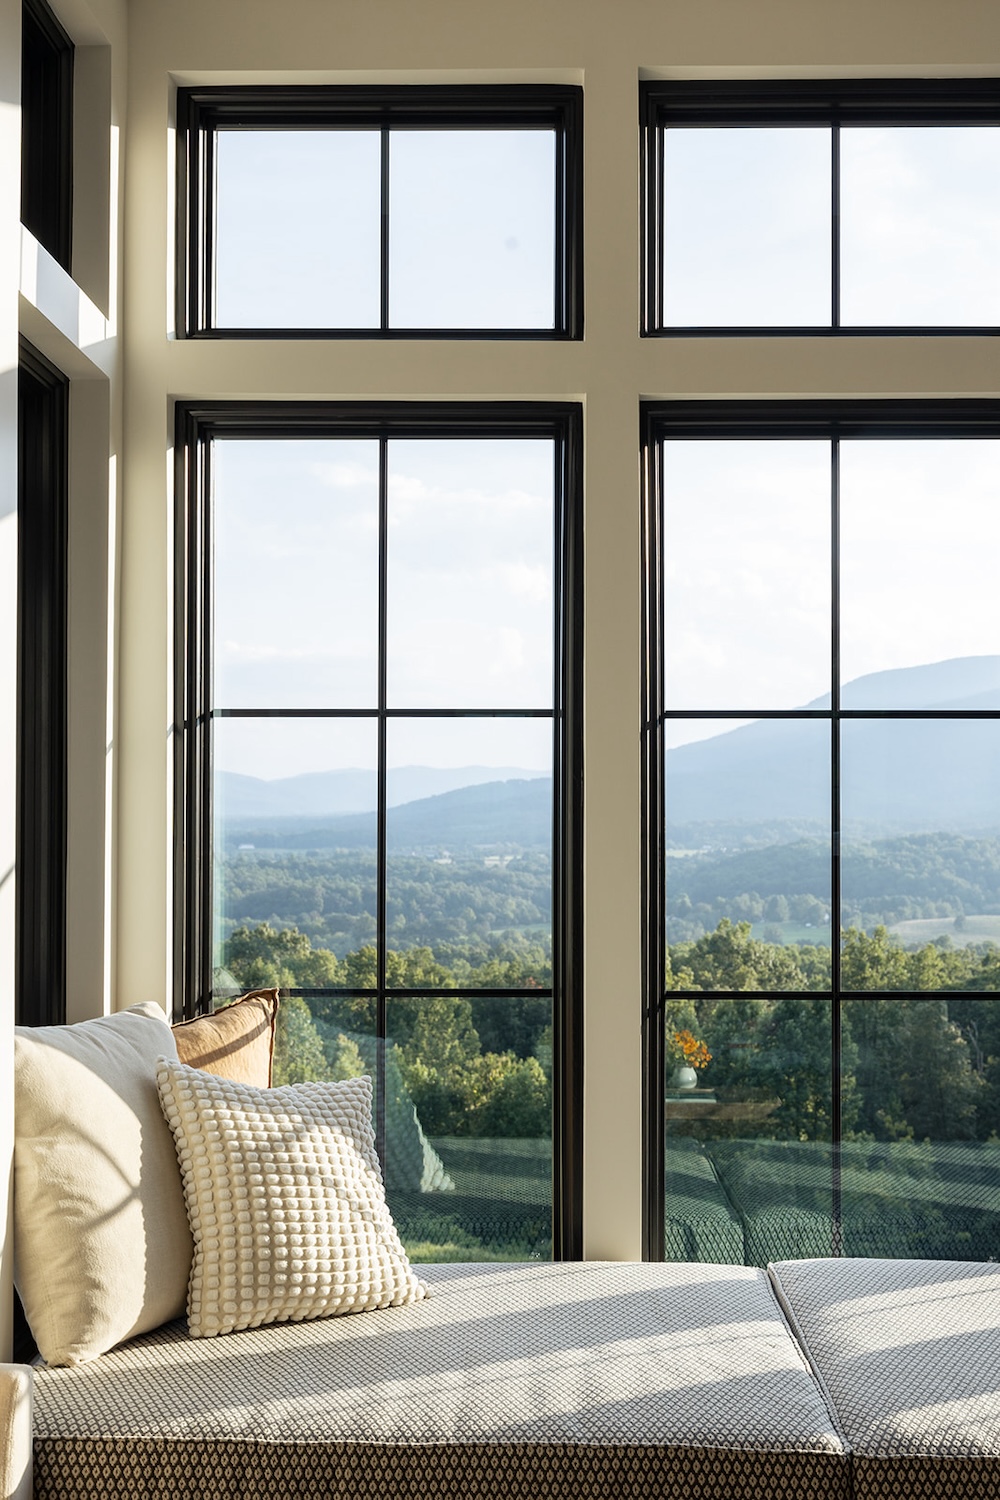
469	585
459	200
747	226
747	546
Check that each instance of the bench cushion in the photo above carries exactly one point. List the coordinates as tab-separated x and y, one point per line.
630	1380
909	1354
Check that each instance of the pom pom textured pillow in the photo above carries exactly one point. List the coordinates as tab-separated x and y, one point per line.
285	1200
102	1247
236	1041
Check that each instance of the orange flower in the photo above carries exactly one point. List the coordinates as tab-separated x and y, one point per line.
689	1051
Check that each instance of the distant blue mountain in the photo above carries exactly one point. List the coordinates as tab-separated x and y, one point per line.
496	816
912	775
325	794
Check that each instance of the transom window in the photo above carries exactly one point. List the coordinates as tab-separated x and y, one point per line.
380	772
822	207
367	211
822	767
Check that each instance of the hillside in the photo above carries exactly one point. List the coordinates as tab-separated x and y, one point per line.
897	776
498	815
326	794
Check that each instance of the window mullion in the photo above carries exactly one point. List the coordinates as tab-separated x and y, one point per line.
835	225
380	875
384	246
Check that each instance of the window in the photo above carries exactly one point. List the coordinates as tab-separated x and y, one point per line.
822	757
41	691
365	212
820	207
380	779
46	130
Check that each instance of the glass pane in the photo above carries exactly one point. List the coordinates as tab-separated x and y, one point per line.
294	853
748	855
470	573
295	582
472	229
469	879
920	532
297	228
920	230
469	1128
746	563
921	853
746	227
748	1141
922	1177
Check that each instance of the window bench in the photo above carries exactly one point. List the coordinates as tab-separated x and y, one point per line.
600	1379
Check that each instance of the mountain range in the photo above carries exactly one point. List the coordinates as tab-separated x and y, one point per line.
913	775
905	775
325	794
498	816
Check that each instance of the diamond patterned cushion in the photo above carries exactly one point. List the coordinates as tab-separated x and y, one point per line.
568	1380
285	1200
909	1354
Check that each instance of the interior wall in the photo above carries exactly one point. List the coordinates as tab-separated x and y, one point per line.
606	47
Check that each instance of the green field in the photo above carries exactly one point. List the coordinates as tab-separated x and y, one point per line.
795	932
981	929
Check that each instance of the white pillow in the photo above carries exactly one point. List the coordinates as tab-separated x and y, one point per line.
102	1248
285	1200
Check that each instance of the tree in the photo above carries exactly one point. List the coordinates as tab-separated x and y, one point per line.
776	909
299	1056
519	1104
730	959
873	962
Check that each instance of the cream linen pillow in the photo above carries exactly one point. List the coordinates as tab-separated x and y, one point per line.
285	1199
102	1248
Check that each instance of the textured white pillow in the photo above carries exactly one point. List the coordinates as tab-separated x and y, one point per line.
285	1200
102	1247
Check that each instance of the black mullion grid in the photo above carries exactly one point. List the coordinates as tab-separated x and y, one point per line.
835	225
390	713
381	796
875	419
836	1053
654	900
198	426
424	992
384	231
747	103
204	735
202	111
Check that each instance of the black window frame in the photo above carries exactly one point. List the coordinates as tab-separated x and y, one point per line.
197	424
42	689
47	130
201	111
748	419
774	102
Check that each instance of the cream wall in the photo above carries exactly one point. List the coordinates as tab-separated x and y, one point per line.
606	45
121	566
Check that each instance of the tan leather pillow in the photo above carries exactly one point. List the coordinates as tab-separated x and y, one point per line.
235	1042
